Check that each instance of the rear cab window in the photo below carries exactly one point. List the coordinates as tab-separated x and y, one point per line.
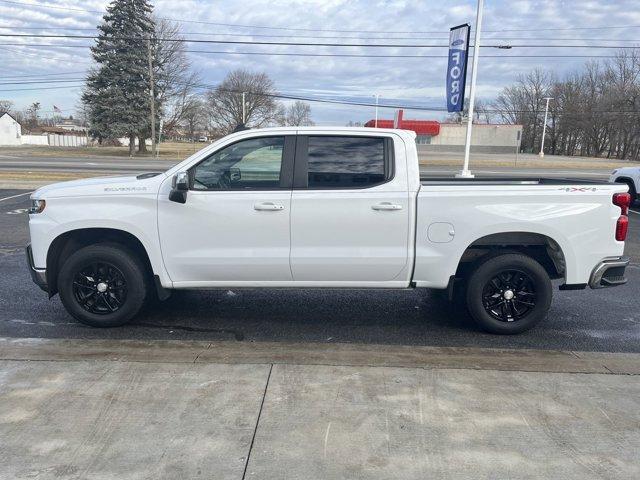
343	162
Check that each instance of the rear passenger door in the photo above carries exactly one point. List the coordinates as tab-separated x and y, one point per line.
349	211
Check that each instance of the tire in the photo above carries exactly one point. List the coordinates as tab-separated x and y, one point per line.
633	193
632	190
508	294
103	285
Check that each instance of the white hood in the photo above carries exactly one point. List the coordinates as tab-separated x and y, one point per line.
101	186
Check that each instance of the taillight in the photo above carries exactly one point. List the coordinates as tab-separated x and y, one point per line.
621	228
622	200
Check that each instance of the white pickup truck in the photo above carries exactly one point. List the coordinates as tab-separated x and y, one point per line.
630	176
323	207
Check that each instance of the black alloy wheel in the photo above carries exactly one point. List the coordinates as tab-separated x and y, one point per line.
508	293
100	288
103	285
509	296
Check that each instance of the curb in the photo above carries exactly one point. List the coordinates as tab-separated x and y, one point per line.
176	351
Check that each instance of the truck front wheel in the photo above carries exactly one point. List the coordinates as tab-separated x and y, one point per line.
102	285
508	294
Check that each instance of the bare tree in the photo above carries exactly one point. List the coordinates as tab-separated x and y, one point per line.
224	102
481	113
6	106
298	114
594	112
33	115
193	116
524	103
175	79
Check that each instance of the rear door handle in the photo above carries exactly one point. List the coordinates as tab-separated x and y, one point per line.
387	206
268	206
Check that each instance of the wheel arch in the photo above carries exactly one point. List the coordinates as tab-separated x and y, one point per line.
544	249
70	241
629	181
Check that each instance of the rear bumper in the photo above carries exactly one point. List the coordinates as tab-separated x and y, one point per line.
609	273
38	275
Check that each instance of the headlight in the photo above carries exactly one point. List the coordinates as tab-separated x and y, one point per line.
614	172
37	206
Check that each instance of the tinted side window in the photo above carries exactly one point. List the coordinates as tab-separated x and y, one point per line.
345	162
253	163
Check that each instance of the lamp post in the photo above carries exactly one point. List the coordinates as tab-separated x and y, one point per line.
376	117
244	109
152	101
544	125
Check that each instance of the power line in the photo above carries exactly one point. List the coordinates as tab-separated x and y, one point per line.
380	105
27	82
309	44
400	56
233	42
39	75
42	88
334	55
357	37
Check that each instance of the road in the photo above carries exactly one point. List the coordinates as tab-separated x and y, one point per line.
124	165
597	320
113	165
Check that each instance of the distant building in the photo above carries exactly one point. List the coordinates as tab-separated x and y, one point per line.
433	136
425	129
57	130
10	130
70	124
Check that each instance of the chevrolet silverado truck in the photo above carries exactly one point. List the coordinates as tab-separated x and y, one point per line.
323	208
630	176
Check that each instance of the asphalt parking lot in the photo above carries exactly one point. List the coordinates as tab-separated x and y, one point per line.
602	320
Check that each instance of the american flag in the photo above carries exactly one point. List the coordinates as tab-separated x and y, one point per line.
56	110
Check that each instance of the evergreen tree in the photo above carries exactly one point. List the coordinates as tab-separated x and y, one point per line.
117	89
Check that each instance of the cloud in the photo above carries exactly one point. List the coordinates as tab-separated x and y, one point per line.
416	80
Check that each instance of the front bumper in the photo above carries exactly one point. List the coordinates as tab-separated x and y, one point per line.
38	275
609	273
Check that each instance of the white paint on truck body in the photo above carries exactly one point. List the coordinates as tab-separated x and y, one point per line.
328	238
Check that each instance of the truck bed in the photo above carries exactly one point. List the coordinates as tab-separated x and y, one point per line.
504	180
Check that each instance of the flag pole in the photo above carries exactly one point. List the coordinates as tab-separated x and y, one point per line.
465	173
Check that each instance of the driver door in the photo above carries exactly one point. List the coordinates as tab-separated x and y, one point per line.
234	227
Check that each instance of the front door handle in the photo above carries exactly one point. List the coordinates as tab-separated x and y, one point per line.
387	206
268	206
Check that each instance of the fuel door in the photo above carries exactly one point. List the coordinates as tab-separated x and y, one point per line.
441	232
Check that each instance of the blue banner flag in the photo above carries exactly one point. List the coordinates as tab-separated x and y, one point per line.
457	67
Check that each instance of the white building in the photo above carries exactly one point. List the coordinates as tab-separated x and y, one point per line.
10	131
485	138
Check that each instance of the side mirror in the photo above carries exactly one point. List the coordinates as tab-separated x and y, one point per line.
179	187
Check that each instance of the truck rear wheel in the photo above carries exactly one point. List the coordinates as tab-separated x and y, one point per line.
102	285
508	294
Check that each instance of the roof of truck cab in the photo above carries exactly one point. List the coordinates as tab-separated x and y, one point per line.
305	130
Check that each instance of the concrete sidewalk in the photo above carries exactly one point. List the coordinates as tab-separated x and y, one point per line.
232	410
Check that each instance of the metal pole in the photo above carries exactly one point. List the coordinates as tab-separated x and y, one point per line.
376	120
465	173
159	139
153	102
244	109
544	125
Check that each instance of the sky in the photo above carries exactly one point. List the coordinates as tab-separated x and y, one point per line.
540	28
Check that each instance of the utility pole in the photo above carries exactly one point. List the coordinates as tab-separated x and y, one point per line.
244	109
152	99
544	125
376	117
465	173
